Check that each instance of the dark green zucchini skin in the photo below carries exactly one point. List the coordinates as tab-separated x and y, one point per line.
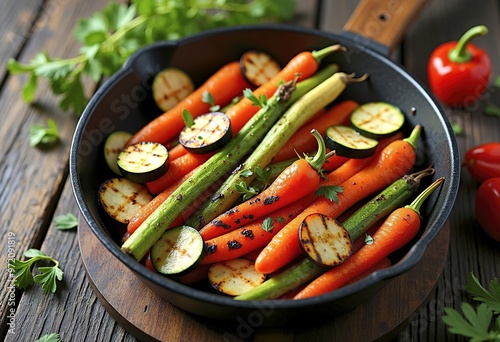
347	142
209	132
143	162
178	251
377	119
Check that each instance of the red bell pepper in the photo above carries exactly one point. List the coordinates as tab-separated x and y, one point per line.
487	207
483	161
459	72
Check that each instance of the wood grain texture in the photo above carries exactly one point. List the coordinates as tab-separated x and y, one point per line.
32	179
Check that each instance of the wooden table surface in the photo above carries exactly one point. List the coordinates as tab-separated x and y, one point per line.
35	187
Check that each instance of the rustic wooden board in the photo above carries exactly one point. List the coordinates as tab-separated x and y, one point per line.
140	311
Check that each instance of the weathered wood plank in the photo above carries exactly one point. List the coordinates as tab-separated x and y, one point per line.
32	178
16	24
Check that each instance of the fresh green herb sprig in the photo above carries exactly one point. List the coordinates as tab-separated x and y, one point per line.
48	276
110	36
50	338
480	323
66	222
44	135
330	192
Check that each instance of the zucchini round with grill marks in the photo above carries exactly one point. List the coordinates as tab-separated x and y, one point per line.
324	240
177	251
258	67
348	142
377	119
234	277
170	86
121	198
112	147
143	162
207	133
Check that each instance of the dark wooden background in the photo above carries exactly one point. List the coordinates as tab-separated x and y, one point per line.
34	184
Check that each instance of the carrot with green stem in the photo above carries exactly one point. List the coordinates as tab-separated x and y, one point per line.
393	162
398	229
289	123
304	269
302	141
295	182
259	233
223	85
218	165
305	64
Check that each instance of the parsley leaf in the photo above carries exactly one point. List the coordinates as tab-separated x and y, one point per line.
48	276
476	323
261	101
479	293
246	173
330	192
369	239
268	224
208	98
118	30
263	175
40	135
50	338
66	222
245	190
188	118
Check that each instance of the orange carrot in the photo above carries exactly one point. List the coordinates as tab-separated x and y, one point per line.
251	237
225	84
392	163
178	168
146	210
398	229
305	64
176	152
385	263
303	142
299	179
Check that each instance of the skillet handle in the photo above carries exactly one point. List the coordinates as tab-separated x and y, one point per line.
383	22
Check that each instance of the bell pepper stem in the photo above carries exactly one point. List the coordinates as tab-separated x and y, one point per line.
459	53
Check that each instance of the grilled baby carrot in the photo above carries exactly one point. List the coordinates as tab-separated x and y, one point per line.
358	223
250	237
394	161
225	84
295	182
398	229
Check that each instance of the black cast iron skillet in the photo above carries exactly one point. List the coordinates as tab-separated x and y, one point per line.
124	103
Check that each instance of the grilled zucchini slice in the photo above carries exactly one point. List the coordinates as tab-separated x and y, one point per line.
324	240
258	67
143	162
113	146
234	277
348	142
177	251
207	133
121	198
377	119
171	86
